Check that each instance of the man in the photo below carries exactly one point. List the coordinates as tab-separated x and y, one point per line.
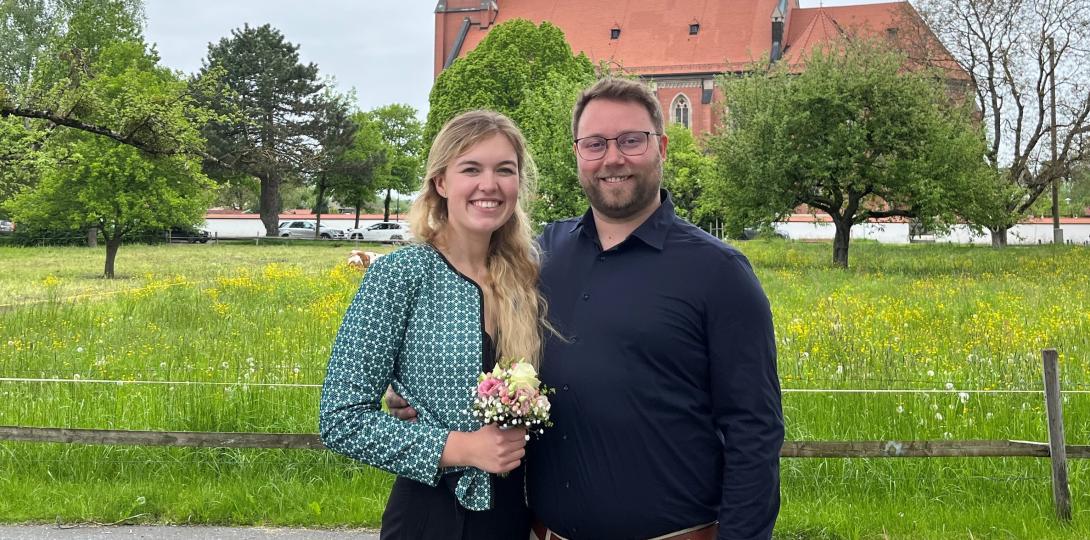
667	411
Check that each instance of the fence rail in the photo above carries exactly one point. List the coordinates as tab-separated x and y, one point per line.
310	441
1056	449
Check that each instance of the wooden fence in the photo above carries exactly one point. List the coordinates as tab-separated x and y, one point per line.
1056	449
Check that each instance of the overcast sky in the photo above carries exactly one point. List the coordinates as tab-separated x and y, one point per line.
383	49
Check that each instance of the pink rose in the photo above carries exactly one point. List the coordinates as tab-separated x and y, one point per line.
488	387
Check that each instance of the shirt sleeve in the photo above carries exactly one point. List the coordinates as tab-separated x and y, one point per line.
746	402
351	419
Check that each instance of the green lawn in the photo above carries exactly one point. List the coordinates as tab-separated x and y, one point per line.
919	318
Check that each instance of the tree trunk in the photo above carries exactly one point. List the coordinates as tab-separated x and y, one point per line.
999	237
840	243
112	244
386	212
318	210
92	237
269	204
357	225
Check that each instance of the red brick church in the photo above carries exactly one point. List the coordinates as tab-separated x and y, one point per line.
679	46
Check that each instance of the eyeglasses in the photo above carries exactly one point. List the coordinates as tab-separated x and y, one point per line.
633	143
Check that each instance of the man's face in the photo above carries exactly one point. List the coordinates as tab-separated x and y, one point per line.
620	186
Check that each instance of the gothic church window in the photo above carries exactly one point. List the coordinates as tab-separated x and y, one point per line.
680	110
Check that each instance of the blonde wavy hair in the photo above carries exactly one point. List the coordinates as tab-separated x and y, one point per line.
514	261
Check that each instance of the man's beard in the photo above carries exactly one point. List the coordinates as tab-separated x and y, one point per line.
644	190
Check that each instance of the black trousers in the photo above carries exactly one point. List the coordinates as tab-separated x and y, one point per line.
417	511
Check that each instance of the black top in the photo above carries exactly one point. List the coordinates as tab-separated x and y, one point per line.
667	411
489	357
416	510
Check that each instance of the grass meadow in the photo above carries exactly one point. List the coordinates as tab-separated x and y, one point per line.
253	326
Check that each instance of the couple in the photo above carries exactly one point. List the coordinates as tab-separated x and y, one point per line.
656	336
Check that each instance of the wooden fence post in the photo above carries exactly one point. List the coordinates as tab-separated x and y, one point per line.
1061	494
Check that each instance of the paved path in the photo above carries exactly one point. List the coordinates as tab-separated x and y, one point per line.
167	532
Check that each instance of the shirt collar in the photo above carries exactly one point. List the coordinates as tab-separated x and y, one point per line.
651	232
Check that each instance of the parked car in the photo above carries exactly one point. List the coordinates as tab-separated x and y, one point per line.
385	231
191	235
305	229
6	226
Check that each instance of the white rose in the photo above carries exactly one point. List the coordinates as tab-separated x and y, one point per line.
523	375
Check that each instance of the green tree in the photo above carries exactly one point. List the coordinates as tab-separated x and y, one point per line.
854	136
238	192
1079	191
529	73
134	120
545	118
20	161
26	27
273	101
336	134
402	133
686	170
364	161
116	189
51	56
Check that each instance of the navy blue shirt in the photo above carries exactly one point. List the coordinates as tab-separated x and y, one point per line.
667	407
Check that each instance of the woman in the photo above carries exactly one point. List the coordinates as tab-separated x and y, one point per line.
428	319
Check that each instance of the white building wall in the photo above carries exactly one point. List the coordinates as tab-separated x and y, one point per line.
897	233
1021	234
887	233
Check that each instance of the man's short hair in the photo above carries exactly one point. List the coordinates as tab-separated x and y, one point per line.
625	90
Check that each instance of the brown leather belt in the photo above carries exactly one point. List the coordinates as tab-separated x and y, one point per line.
702	532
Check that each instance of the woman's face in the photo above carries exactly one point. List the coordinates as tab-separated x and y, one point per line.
481	187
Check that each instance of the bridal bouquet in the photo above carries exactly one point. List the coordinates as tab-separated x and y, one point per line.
512	396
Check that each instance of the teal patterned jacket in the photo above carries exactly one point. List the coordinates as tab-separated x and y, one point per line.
416	322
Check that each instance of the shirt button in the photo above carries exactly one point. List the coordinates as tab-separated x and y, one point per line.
565	388
567	484
575	339
586	296
602	258
563	437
